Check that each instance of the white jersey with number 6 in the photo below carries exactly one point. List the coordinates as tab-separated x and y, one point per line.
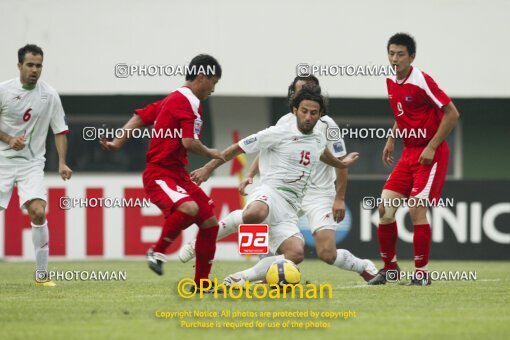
287	158
29	113
324	175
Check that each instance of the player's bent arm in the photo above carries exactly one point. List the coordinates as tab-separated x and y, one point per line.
5	137
449	121
254	167
196	146
201	175
229	153
341	183
134	122
328	158
339	202
61	145
16	143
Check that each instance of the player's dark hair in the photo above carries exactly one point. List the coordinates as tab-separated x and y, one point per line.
292	87
29	48
203	64
310	92
403	39
311	79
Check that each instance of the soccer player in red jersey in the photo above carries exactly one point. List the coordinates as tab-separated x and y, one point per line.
165	179
417	103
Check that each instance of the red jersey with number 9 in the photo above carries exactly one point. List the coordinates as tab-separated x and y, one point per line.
416	103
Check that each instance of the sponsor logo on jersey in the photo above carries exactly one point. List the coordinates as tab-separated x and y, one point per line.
338	147
17	97
44	99
409	99
390	96
249	140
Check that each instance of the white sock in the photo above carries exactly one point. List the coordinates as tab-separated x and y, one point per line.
40	238
345	260
259	270
230	224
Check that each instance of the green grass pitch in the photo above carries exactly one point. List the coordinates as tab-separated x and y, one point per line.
126	309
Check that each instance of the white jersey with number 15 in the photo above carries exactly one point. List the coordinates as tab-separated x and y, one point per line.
324	176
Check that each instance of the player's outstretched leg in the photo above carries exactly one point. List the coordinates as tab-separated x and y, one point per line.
40	238
175	222
325	244
227	226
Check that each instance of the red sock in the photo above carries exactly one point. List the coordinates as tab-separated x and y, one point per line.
205	249
421	239
387	235
174	224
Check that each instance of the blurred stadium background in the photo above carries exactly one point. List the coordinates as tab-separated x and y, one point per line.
259	44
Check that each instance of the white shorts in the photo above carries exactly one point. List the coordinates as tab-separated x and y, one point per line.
282	218
318	209
27	177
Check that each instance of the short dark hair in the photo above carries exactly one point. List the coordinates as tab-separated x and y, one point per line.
292	87
203	64
403	39
310	92
29	48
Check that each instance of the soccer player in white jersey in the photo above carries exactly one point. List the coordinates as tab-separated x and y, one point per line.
28	107
322	206
289	154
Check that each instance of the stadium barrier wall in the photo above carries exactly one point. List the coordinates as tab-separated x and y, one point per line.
475	227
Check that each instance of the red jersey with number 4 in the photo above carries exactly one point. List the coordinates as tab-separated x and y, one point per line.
416	103
180	112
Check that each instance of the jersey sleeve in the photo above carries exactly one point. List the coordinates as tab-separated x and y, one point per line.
190	123
264	139
337	146
58	118
284	119
149	113
435	94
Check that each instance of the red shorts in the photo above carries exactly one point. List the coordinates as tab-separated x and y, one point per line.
168	189
410	178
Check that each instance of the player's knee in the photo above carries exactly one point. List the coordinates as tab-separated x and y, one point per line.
418	215
37	214
210	222
254	215
327	255
386	214
189	208
295	255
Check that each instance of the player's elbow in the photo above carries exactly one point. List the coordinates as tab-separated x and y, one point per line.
188	143
136	122
451	111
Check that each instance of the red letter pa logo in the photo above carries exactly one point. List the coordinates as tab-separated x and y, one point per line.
253	239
